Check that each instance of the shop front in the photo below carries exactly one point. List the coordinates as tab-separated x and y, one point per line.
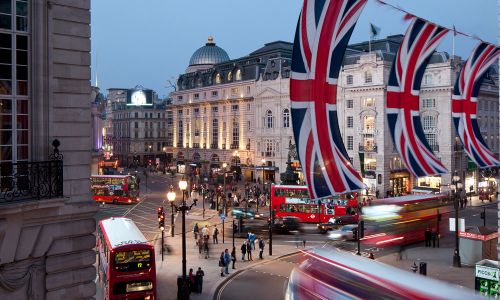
370	180
399	183
427	185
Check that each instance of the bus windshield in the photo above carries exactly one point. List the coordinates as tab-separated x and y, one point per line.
132	260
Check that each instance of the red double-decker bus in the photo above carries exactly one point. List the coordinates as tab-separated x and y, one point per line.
293	200
114	188
126	261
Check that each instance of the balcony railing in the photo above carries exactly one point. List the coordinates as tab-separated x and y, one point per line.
235	146
179	145
213	146
31	180
367	148
196	145
223	146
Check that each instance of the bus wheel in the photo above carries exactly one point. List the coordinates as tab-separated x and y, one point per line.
115	201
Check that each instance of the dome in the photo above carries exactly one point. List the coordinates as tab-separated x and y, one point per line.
209	54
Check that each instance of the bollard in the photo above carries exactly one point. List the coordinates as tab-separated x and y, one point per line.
423	268
414	267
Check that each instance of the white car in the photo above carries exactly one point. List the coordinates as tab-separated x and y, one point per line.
344	233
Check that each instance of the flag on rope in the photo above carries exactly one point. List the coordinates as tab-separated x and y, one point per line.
464	104
402	107
322	35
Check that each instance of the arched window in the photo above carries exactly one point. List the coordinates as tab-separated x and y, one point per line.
229	76
429	125
238	74
218	78
269	119
286	118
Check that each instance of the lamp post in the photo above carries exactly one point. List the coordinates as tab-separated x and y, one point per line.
263	164
183	208
456	185
171	199
224	165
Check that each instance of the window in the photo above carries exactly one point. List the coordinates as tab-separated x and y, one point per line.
179	112
269	119
136	115
158	115
428	79
248	106
234	107
136	124
236	133
368	77
215	109
429	126
214	93
187	111
197	127
286	118
230	76
350	142
215	132
428	103
349	103
196	96
248	89
223	108
249	128
369	102
369	123
217	78
238	74
235	91
429	122
349	79
196	110
350	122
180	134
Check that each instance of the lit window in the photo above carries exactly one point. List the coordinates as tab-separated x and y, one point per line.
369	102
214	93
217	78
229	76
235	91
238	74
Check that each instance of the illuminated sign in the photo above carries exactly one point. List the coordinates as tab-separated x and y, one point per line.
139	97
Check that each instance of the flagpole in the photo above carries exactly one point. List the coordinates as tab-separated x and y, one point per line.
453	42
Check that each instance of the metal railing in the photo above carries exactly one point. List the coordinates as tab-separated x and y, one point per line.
367	148
31	180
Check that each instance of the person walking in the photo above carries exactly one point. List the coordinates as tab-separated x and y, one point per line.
427	236
243	250
204	231
249	251
199	279
227	261
371	255
221	264
215	232
196	230
205	247
261	247
192	282
433	237
233	256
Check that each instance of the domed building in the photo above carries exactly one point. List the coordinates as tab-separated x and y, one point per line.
207	56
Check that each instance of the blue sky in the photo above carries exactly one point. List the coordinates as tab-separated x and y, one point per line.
150	41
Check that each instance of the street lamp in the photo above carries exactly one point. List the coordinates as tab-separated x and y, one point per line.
183	208
171	199
263	164
224	165
455	186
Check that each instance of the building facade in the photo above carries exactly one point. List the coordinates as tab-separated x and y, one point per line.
47	245
135	134
217	112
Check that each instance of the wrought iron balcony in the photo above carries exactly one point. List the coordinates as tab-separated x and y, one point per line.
213	146
32	180
235	146
196	145
367	148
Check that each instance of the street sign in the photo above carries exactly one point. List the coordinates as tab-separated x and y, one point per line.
461	224
222	217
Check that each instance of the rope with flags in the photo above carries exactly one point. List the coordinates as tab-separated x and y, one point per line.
464	104
321	38
402	106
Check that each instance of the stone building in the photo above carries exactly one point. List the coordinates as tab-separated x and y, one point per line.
217	113
135	134
46	249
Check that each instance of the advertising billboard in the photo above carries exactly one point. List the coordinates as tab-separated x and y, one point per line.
139	97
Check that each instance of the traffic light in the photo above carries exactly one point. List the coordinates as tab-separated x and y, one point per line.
161	221
160	212
149	162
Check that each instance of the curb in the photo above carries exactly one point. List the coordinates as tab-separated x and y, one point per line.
217	289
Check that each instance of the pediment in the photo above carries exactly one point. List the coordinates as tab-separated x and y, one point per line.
268	93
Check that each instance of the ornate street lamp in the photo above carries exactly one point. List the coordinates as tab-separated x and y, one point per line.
456	186
263	164
171	199
183	208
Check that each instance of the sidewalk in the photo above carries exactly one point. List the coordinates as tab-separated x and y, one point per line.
439	264
168	270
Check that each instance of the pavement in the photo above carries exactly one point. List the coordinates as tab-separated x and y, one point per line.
171	267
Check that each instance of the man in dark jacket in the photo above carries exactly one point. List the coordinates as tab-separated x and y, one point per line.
243	250
261	247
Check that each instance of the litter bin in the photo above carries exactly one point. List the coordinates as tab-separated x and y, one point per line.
423	268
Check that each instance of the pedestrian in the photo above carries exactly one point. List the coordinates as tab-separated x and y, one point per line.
433	237
261	247
215	232
249	251
304	243
192	282
221	264
243	250
196	229
233	256
200	245
227	260
251	239
204	231
427	236
205	247
371	255
199	279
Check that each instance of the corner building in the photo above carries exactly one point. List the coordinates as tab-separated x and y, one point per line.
46	213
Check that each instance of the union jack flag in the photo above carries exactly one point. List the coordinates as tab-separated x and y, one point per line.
464	104
402	108
321	38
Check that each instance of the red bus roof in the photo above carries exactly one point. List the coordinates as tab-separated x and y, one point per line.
408	199
297	187
121	232
110	176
